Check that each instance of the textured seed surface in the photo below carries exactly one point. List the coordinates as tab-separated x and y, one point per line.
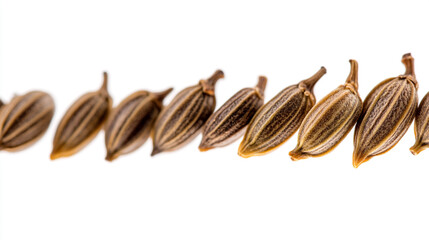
277	120
82	122
421	127
182	120
388	111
229	122
25	119
131	122
330	120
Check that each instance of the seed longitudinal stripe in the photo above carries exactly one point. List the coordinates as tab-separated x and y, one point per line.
421	127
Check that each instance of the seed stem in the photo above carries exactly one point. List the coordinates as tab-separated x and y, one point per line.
262	83
163	94
408	61
311	81
104	86
417	148
216	76
353	76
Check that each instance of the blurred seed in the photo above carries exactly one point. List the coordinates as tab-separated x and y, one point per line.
276	121
388	112
330	120
82	122
421	127
25	119
181	121
130	123
229	122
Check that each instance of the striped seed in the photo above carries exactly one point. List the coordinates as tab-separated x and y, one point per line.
181	120
82	122
421	127
276	121
131	122
25	119
229	122
388	112
330	120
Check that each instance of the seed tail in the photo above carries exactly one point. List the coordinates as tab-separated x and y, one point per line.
408	61
418	147
54	155
297	154
161	95
353	76
358	159
311	81
105	81
262	83
110	156
216	76
155	151
204	147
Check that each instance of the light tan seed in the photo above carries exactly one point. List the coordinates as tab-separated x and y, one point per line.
276	121
131	122
388	112
82	122
330	120
229	122
181	121
25	119
421	127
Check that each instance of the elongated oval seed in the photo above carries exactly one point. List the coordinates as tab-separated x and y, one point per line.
181	121
330	120
25	120
276	121
421	126
82	122
388	112
131	122
229	122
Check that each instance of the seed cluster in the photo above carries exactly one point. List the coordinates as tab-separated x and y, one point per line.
380	121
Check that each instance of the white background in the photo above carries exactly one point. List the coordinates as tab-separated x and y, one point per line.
62	47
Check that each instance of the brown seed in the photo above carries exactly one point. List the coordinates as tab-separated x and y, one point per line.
421	127
229	122
276	121
130	123
82	122
388	112
181	121
25	119
330	120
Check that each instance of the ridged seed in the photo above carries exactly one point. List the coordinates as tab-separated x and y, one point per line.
421	127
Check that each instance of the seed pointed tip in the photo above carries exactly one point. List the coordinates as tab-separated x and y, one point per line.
297	154
408	61
163	94
417	148
155	151
262	83
54	156
218	74
203	147
105	80
353	75
358	160
110	156
311	81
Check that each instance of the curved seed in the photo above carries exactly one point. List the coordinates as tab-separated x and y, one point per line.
82	122
25	119
276	121
181	121
130	123
421	127
229	122
388	112
330	120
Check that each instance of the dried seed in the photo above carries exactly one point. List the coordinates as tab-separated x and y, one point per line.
330	120
82	121
130	123
25	119
421	127
229	122
388	112
276	121
181	121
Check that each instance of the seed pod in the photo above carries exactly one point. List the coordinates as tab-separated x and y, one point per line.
421	127
276	121
229	122
130	123
25	119
181	121
82	122
330	120
388	112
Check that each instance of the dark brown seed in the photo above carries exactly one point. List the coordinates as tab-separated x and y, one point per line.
82	122
330	120
25	119
421	127
388	112
130	123
229	122
181	121
280	118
